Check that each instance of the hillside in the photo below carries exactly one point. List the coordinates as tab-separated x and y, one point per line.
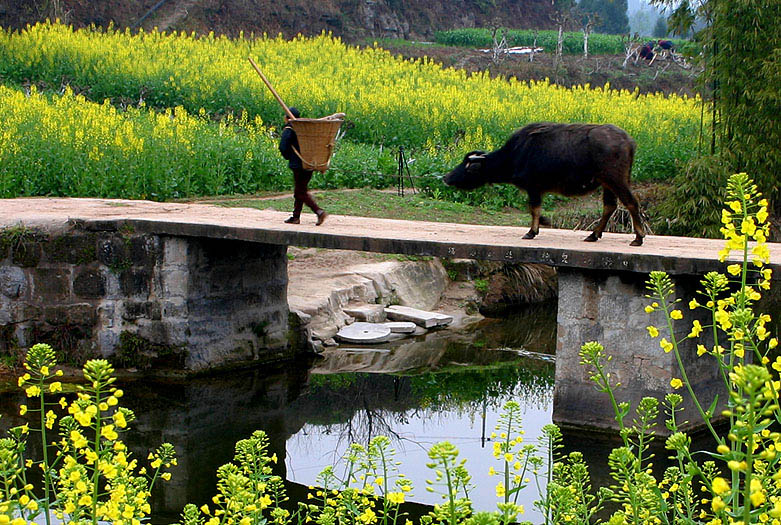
350	19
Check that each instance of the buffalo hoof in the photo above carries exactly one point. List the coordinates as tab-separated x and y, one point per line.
591	238
637	242
530	235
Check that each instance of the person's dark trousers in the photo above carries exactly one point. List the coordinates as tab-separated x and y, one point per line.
301	193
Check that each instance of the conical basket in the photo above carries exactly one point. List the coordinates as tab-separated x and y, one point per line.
316	140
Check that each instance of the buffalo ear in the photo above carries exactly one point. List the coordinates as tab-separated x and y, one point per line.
469	156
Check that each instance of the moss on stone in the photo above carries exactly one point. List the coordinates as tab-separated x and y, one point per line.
134	351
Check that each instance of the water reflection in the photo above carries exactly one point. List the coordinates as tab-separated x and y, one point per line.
460	405
432	389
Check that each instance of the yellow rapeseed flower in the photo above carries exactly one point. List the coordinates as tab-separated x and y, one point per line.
720	485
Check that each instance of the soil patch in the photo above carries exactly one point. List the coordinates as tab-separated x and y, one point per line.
662	76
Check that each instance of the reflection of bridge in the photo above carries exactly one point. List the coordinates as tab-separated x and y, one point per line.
208	283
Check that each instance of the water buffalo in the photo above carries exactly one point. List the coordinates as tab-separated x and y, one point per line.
568	159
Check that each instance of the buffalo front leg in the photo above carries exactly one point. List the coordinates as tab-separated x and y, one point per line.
609	205
535	208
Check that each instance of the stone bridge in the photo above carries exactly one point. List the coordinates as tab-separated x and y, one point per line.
192	286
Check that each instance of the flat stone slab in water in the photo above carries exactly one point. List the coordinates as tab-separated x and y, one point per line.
419	317
401	327
365	350
372	313
364	333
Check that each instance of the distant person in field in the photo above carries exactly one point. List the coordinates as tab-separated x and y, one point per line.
647	51
288	146
667	45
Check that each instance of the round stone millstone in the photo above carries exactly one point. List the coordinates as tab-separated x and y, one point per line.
364	333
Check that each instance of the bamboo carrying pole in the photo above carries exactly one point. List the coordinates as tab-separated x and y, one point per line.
268	84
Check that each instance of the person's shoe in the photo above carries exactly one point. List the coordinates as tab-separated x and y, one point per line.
293	220
321	217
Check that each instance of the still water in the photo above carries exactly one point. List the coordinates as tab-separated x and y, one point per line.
441	387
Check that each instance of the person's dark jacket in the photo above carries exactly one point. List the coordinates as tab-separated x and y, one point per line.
287	142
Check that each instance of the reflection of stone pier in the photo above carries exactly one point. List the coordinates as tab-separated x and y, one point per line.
204	418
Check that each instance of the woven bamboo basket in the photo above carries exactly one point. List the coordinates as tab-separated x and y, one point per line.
316	140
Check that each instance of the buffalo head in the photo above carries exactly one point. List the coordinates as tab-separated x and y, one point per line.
469	174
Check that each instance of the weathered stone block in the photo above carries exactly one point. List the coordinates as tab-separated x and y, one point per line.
51	284
145	250
13	282
142	310
55	314
82	314
26	254
135	281
174	282
175	308
175	251
72	314
89	284
114	253
78	248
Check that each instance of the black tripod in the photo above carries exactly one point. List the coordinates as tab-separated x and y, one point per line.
403	167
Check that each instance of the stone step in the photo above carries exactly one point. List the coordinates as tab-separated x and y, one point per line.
371	313
419	317
401	327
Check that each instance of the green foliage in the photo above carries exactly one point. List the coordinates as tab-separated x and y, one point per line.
746	68
612	15
688	208
660	28
481	285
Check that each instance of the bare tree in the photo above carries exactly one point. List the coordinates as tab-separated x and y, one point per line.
499	50
562	17
631	49
587	23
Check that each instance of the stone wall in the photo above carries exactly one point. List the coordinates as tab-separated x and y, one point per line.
609	309
146	301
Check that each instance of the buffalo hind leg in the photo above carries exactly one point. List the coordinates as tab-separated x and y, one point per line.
629	201
609	205
535	208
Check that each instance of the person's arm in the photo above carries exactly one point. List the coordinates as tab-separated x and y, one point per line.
286	142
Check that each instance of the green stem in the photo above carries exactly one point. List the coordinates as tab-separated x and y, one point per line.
451	501
44	445
670	329
609	391
96	470
749	467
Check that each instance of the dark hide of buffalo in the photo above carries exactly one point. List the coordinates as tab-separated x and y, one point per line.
568	159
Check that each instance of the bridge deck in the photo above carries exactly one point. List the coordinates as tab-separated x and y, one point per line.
563	248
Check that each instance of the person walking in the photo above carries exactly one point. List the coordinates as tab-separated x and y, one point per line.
288	146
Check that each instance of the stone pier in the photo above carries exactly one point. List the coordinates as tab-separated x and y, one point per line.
609	309
149	301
